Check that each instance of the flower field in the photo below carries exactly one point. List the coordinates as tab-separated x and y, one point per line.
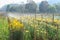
29	28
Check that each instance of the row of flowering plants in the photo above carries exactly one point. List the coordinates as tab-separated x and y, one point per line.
31	28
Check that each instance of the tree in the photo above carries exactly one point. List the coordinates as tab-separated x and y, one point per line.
57	7
43	6
7	9
31	7
52	9
12	9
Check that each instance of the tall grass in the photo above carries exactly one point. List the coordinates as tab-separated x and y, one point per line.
4	32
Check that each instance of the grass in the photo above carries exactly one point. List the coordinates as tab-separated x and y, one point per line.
4	32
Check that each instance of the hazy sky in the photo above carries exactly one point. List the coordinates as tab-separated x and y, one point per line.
3	2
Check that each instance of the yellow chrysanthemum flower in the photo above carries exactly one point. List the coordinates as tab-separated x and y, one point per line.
26	31
55	20
39	19
41	31
44	19
16	24
49	20
37	30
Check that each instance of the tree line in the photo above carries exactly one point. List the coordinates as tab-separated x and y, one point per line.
32	7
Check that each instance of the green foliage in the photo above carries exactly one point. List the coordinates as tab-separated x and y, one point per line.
31	7
43	6
4	32
52	9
